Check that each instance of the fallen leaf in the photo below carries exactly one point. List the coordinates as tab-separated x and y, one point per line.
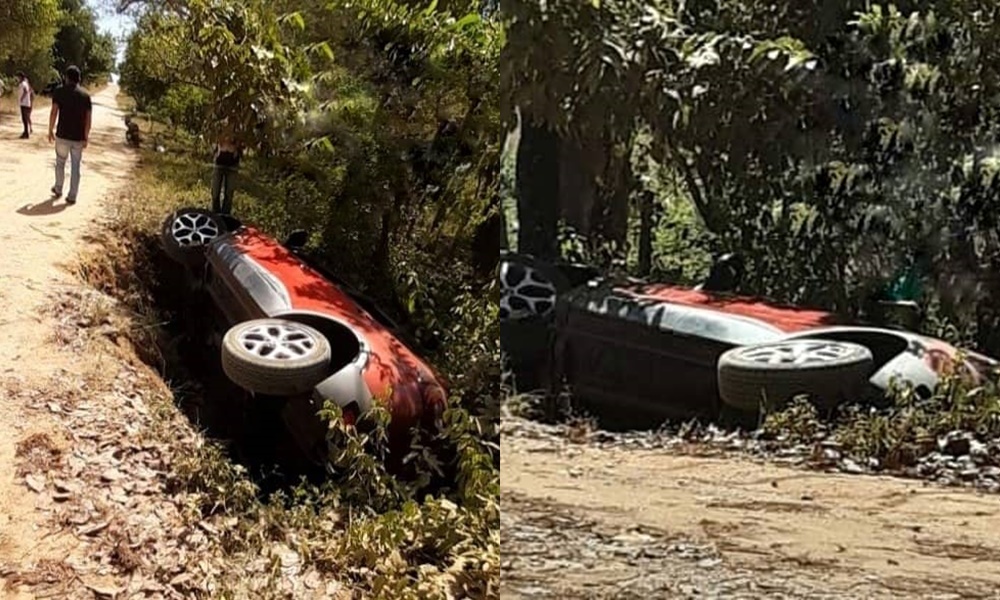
103	590
35	483
112	475
208	527
95	528
62	486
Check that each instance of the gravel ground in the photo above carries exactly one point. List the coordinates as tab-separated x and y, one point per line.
581	528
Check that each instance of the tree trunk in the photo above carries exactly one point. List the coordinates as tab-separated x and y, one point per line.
579	162
487	242
645	233
504	242
611	210
537	190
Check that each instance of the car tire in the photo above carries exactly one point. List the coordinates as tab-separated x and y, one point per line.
275	357
185	234
768	376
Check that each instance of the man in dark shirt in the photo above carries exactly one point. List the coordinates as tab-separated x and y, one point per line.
72	109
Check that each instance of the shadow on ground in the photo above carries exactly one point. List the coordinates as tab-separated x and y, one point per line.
49	206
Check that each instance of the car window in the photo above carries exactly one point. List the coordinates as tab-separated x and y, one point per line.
686	320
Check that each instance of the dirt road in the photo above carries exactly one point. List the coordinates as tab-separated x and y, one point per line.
39	237
587	522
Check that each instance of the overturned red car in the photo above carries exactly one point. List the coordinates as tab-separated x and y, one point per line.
638	353
293	331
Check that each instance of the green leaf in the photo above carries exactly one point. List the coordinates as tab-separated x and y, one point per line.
295	18
467	20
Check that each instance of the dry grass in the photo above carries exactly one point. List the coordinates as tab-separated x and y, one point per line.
37	454
40	113
50	572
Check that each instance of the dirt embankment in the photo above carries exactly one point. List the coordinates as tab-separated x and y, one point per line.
93	452
580	520
40	237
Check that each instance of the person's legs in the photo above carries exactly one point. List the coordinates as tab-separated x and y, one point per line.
227	201
25	119
62	153
217	180
31	128
76	157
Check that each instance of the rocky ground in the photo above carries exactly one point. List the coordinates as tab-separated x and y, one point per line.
707	513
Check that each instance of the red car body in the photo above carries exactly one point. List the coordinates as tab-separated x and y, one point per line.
789	319
939	355
638	353
251	275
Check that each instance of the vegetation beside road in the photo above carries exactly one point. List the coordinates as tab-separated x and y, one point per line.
375	126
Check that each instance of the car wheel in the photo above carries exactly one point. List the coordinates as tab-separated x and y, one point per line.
275	357
768	376
186	233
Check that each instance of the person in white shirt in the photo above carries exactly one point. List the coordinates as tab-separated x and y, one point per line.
25	97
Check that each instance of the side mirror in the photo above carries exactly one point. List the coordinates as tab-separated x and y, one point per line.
906	314
231	222
297	239
725	274
578	274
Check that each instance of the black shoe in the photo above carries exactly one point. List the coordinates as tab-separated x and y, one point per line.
56	194
70	200
24	136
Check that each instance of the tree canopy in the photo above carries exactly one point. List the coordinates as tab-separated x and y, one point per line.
43	37
28	26
829	142
78	42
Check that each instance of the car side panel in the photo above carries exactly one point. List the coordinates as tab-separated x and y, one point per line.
243	285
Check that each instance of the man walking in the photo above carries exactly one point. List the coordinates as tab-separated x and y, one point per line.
25	96
72	108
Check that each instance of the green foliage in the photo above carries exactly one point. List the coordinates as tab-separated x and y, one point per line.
376	125
798	423
230	51
43	37
398	547
183	106
79	43
911	426
26	37
830	143
28	27
897	436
